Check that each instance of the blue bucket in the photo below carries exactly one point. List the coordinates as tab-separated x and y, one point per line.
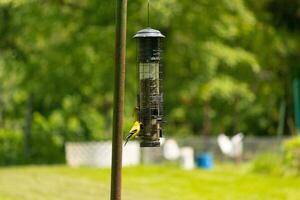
205	161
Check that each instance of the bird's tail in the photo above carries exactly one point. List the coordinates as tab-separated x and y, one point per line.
128	138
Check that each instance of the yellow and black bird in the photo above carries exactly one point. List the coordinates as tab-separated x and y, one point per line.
134	131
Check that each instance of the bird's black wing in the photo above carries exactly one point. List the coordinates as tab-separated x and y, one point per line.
129	136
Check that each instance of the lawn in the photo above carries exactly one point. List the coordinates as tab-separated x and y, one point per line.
143	183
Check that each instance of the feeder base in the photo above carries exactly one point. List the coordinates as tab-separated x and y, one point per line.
150	144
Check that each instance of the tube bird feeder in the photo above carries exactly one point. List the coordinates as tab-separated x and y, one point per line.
150	93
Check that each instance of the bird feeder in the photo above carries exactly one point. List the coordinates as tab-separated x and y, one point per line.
150	94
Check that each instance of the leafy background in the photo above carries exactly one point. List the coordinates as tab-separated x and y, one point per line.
229	64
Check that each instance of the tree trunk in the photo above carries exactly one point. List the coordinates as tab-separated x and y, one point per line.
236	116
106	107
291	126
1	112
27	127
206	120
206	124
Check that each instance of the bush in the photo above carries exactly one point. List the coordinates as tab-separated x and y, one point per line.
286	164
292	154
45	149
11	147
47	145
268	163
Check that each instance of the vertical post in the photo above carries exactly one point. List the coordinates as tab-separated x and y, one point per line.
280	128
27	127
120	54
297	105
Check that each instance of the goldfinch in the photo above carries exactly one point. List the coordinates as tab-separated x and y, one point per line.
134	131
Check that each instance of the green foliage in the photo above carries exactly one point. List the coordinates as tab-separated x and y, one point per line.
287	163
48	145
10	147
292	154
268	163
235	61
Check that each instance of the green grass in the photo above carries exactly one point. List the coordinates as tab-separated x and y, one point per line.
143	183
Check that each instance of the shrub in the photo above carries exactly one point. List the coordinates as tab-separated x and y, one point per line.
11	147
268	163
47	145
292	154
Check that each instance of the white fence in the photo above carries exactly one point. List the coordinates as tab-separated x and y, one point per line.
98	154
251	146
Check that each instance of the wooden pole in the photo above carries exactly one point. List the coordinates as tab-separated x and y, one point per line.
119	89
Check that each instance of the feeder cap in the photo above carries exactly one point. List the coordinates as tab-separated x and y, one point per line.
148	32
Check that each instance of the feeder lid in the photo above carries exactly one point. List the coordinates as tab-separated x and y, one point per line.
148	32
